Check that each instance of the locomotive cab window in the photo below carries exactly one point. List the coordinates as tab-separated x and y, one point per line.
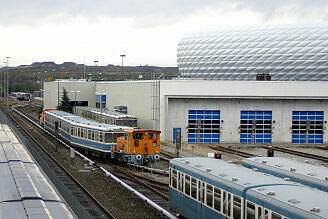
138	136
153	136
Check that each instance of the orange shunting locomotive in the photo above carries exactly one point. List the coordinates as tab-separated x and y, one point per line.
138	146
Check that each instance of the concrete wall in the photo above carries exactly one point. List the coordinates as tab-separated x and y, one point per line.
137	96
87	92
230	115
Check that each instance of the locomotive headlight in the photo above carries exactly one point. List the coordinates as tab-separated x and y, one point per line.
138	157
156	156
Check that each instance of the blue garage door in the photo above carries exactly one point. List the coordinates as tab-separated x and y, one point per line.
255	126
307	127
204	126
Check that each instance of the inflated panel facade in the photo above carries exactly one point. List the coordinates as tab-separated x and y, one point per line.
285	52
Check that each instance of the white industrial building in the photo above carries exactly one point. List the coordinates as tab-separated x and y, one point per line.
212	111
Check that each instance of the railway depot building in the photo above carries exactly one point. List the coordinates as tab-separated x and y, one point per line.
212	111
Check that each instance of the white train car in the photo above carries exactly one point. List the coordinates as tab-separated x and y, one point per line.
25	192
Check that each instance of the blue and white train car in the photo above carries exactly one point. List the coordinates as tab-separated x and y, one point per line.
213	188
24	190
312	175
83	133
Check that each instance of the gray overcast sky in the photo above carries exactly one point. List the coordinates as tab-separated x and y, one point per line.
147	31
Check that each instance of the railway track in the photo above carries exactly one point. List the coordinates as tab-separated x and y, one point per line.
81	201
232	151
152	189
298	153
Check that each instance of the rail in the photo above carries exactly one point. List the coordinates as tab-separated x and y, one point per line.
108	213
299	153
107	173
232	151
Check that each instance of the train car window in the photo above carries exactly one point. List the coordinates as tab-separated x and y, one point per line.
193	188
201	188
174	179
187	185
275	216
93	135
153	136
137	135
89	134
170	178
229	204
179	181
209	195
82	133
250	210
182	182
100	136
224	199
217	199
71	130
237	209
259	213
266	214
79	132
108	137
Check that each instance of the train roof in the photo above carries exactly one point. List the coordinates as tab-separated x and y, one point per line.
24	190
80	121
257	185
106	112
291	167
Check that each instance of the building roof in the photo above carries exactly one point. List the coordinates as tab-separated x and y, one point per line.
286	52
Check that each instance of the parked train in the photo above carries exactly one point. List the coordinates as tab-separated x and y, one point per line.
106	116
20	96
315	176
122	143
212	188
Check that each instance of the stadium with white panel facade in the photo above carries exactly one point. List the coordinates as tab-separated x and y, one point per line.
267	84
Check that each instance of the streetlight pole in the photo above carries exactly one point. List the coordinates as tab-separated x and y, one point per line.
7	78
122	66
95	67
4	84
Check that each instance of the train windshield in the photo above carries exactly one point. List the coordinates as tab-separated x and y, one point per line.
137	135
153	136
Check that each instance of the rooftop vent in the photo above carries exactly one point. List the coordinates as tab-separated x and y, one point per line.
307	161
229	161
315	209
223	175
208	169
186	162
271	193
264	161
278	165
287	179
294	201
234	179
255	169
293	169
